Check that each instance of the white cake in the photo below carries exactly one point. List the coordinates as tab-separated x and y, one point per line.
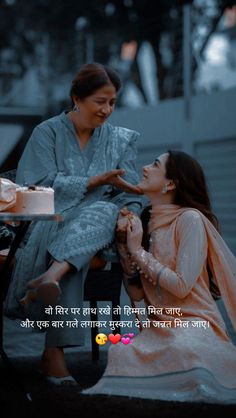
34	200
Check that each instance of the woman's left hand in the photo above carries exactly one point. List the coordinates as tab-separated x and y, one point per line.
125	186
113	177
122	224
134	235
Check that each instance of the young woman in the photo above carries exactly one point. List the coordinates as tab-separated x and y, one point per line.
183	351
91	165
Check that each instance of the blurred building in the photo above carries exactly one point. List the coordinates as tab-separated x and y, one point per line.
217	67
179	80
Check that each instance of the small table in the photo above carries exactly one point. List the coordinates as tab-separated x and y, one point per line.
24	222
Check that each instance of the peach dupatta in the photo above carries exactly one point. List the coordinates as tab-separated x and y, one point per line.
221	260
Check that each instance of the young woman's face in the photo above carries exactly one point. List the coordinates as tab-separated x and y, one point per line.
97	107
154	175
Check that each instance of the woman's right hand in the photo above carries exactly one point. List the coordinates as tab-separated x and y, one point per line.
134	235
122	225
113	178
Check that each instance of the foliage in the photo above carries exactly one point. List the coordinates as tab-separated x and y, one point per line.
65	27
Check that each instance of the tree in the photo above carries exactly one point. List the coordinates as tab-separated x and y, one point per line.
59	25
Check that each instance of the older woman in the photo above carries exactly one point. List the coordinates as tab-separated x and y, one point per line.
92	167
183	352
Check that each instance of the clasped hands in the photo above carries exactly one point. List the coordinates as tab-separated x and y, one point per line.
113	178
129	231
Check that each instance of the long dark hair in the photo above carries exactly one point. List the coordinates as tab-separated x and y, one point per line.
191	191
191	188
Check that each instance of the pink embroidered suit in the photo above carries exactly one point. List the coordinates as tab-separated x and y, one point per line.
184	353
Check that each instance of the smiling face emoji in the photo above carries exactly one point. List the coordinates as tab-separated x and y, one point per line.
101	339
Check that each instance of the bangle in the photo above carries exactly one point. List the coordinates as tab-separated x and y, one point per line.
158	283
129	276
159	273
136	253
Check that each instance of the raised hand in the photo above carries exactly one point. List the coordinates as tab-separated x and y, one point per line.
113	178
122	224
134	235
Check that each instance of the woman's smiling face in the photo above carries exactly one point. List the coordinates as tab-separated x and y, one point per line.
154	175
97	107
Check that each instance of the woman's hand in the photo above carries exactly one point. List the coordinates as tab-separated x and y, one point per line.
134	235
122	225
113	178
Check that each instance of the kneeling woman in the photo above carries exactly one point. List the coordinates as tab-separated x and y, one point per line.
183	351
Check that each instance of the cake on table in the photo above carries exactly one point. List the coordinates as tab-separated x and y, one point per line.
34	200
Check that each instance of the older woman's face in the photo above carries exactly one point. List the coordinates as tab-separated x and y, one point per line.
97	107
154	175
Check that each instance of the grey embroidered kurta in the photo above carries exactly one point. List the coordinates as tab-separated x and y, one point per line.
53	158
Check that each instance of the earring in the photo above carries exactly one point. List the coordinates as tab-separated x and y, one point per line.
75	108
164	190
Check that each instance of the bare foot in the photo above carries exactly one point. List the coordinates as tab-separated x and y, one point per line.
53	363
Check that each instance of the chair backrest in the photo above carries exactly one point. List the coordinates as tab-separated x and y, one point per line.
103	285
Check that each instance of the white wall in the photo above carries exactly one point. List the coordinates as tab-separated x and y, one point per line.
212	117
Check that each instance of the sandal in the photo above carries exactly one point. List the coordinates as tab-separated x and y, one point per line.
61	381
49	292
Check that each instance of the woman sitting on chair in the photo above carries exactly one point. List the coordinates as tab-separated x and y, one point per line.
91	165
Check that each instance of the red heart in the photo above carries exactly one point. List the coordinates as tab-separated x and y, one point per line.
114	338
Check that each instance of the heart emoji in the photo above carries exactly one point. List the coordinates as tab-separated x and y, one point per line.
114	339
125	340
131	335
